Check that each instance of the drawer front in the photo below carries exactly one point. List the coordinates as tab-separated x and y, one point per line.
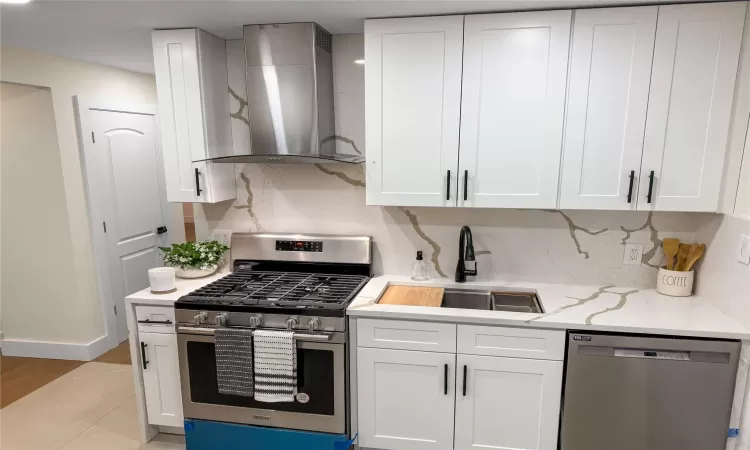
511	342
406	335
155	319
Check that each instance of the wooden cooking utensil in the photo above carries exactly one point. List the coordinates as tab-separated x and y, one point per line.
695	256
682	255
671	247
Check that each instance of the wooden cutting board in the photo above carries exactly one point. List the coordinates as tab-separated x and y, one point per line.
412	296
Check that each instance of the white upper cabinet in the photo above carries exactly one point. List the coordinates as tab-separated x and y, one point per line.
412	109
191	81
610	72
512	108
692	87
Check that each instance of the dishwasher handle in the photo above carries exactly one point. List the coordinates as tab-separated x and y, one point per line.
655	354
651	354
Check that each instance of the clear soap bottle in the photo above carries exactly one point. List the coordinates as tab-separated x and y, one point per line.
419	268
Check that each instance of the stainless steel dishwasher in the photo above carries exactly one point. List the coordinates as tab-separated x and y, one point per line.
626	392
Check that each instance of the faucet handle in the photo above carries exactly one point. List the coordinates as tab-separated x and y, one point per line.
470	268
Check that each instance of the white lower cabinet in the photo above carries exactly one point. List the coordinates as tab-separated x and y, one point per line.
507	403
406	399
161	375
422	400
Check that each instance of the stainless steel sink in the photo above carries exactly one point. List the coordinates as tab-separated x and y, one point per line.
492	300
467	299
526	302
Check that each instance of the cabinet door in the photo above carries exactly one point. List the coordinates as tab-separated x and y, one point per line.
507	403
405	399
607	99
412	110
161	379
512	109
181	117
692	87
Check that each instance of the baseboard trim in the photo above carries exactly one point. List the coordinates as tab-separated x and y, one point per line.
55	350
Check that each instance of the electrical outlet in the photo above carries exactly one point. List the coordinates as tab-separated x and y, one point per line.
743	251
223	236
633	254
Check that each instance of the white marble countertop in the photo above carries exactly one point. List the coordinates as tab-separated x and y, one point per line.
183	285
580	307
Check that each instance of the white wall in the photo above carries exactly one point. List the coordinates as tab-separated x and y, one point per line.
66	78
35	237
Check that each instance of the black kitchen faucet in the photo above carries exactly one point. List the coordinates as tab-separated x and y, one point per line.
467	264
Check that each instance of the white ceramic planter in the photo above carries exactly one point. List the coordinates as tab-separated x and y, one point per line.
195	272
674	283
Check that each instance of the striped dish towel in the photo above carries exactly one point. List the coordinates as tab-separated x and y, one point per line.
275	362
234	361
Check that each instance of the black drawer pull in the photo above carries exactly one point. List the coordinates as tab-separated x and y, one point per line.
445	380
198	189
630	189
156	322
448	187
466	185
143	355
465	370
650	186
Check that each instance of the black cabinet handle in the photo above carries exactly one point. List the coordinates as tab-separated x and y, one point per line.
158	322
465	369
630	189
466	185
161	230
143	355
445	380
650	186
448	187
198	189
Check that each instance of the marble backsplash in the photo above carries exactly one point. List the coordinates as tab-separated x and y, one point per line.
553	246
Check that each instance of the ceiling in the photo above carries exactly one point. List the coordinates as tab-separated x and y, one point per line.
117	32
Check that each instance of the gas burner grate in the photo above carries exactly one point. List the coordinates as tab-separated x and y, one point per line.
280	289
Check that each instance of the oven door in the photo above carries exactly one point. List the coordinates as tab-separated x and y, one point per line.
320	375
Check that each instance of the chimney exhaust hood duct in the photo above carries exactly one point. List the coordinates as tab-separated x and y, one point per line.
289	79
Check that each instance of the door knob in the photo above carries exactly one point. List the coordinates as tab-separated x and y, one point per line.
161	230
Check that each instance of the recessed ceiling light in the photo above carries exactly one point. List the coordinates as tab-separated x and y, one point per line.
359	61
16	2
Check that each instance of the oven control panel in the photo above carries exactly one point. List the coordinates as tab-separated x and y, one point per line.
299	246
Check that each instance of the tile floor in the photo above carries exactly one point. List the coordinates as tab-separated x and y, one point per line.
89	408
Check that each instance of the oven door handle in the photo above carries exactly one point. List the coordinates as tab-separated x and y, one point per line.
297	336
196	330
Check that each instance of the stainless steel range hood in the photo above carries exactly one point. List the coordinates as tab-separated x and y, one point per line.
290	96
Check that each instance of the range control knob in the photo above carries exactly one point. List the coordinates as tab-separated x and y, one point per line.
220	320
291	323
256	320
200	318
313	324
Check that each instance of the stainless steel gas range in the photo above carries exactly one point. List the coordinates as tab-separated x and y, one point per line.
301	283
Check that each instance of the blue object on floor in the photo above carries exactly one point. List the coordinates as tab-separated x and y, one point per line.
206	435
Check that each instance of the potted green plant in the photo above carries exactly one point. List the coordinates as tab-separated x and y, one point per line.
194	260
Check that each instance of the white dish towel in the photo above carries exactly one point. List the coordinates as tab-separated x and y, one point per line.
275	364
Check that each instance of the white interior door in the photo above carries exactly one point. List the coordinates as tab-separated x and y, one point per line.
512	109
126	186
412	107
610	72
692	88
508	403
405	399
